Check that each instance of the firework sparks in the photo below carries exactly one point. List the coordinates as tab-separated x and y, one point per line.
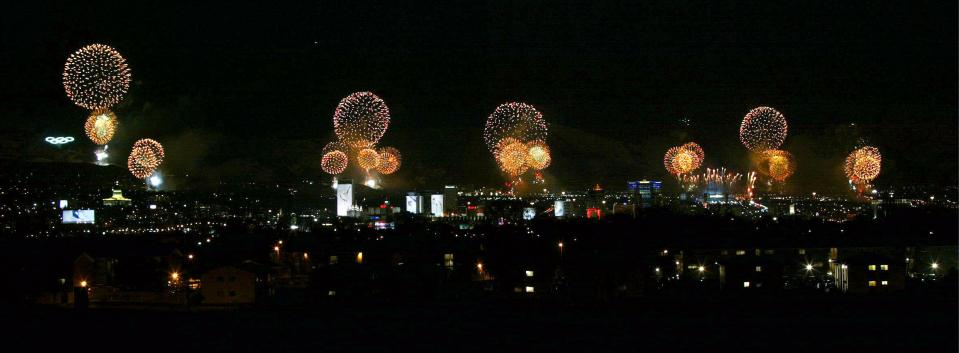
390	160
335	146
361	119
512	158
145	157
100	126
763	129
683	159
520	121
367	158
334	162
538	157
96	77
863	165
778	164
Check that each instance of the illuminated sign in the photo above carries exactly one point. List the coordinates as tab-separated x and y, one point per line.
414	204
344	199
559	208
436	205
529	213
58	140
78	216
594	212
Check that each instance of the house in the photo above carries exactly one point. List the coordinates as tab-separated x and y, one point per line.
228	285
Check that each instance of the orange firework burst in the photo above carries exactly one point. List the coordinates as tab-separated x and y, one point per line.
96	77
520	121
668	160
683	159
778	164
390	160
863	165
100	126
367	158
361	119
538	157
334	162
763	129
696	149
145	156
512	158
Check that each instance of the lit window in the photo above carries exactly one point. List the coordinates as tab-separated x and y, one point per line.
872	267
331	293
802	251
334	259
448	260
759	252
884	267
359	257
872	283
745	284
885	283
758	269
770	252
529	274
740	252
530	289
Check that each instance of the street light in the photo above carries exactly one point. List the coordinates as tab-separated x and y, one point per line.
935	266
83	283
808	267
702	269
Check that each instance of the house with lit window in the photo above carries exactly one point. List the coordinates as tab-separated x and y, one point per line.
228	285
870	270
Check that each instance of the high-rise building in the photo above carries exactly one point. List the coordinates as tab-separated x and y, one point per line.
436	205
414	203
645	191
451	200
344	198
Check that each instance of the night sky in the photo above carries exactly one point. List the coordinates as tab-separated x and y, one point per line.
243	90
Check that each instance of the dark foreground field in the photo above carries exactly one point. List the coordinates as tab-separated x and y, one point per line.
689	325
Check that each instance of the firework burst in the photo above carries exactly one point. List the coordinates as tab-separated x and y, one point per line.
367	158
763	129
777	164
100	126
145	156
512	158
361	119
520	121
863	165
390	160
96	77
335	146
683	159
334	162
539	156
